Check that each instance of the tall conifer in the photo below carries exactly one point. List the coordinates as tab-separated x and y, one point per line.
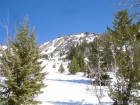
61	69
126	49
22	69
81	62
74	66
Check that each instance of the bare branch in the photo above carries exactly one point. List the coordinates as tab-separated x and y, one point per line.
132	6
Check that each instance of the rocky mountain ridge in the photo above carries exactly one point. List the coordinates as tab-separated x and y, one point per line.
64	43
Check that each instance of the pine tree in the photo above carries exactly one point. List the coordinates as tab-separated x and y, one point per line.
97	57
52	55
61	69
97	66
45	56
72	53
81	62
74	66
54	65
22	69
126	49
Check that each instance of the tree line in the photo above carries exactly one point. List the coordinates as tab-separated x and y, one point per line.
117	51
22	69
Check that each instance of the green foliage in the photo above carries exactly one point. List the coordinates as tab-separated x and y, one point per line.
125	40
81	62
61	69
59	59
45	56
51	55
76	55
61	53
75	49
99	57
105	77
54	65
72	53
77	64
74	66
87	49
23	71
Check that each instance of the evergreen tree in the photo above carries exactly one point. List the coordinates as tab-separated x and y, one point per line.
81	62
74	66
61	69
126	49
97	66
22	69
54	65
73	53
133	8
52	55
45	56
60	53
97	58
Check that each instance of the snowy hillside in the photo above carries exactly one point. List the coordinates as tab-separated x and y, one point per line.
66	89
64	43
63	88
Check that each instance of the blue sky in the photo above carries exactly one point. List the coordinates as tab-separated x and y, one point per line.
53	18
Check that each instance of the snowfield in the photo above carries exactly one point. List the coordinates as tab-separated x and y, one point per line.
66	89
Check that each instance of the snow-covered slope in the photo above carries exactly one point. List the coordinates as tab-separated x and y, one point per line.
66	89
64	43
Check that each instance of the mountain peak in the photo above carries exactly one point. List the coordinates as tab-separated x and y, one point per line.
64	43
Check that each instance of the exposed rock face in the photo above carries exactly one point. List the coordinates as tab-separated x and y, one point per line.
59	45
64	43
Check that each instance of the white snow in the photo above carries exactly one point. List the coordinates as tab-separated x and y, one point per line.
66	89
51	46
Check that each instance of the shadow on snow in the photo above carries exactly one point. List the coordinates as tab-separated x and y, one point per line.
77	81
70	102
